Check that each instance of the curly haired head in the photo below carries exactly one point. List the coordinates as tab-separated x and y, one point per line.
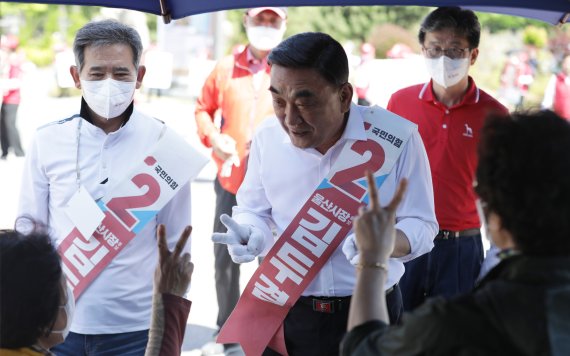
524	177
30	284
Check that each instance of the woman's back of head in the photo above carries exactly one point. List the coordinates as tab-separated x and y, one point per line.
524	177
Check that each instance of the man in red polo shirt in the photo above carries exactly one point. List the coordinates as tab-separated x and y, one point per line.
450	111
237	88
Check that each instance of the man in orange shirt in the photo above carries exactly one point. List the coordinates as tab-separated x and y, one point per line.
238	88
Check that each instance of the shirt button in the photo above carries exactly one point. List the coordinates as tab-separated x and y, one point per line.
447	111
444	126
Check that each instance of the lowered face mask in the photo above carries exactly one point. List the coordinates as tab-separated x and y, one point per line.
265	38
446	71
108	98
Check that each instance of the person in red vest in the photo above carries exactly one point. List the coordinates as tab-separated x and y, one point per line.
557	92
11	82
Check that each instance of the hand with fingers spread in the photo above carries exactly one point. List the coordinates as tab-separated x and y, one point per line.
374	227
245	242
174	269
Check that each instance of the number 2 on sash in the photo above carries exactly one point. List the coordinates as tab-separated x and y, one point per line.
121	205
345	179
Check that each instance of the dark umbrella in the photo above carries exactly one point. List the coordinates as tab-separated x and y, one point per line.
551	11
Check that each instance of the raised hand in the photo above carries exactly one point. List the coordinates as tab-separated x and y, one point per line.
174	271
374	227
245	242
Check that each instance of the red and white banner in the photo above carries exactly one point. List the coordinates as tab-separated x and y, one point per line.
314	234
127	208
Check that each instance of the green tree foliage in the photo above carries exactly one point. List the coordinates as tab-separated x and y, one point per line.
535	36
496	23
38	22
342	22
352	22
385	36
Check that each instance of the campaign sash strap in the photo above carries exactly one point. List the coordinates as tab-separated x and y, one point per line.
314	234
128	207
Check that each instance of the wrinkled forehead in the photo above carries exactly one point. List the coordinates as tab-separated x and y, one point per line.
297	82
108	54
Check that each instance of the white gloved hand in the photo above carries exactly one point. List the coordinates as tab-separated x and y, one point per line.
350	250
245	242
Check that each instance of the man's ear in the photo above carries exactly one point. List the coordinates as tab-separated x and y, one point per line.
74	71
140	75
474	55
345	96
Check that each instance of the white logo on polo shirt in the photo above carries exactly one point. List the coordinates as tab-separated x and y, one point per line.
468	131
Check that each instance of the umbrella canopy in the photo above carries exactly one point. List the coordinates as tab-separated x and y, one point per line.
552	11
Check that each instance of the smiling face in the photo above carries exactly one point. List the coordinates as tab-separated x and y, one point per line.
312	111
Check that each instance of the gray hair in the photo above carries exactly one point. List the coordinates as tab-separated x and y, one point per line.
106	33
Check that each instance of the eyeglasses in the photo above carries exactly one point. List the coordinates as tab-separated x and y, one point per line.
453	52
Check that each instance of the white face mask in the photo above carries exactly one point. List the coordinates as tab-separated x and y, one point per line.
264	38
446	71
69	308
109	98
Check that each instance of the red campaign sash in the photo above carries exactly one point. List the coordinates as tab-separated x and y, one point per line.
135	201
314	234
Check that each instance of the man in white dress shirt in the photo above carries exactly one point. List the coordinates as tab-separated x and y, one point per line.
96	149
290	156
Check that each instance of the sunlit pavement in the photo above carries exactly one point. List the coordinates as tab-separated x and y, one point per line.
38	108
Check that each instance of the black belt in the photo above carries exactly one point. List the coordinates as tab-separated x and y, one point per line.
331	304
326	304
447	234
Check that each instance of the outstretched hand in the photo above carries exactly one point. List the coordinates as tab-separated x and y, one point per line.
374	227
174	271
245	242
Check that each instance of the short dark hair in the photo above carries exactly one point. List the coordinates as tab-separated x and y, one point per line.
30	280
524	177
106	33
313	50
463	22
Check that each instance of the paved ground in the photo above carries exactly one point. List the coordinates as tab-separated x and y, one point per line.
38	108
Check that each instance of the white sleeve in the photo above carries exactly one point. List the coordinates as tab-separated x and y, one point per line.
252	207
176	215
34	190
549	91
491	260
415	216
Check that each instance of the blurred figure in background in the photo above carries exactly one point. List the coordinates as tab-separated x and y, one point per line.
11	82
399	51
362	77
516	77
557	92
